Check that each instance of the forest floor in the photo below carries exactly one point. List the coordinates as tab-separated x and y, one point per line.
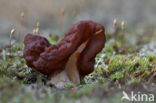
119	68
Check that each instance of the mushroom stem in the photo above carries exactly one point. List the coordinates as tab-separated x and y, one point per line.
71	66
71	72
60	79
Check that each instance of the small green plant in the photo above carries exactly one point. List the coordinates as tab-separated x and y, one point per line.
69	85
100	79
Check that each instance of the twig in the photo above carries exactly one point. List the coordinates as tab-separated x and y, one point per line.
150	79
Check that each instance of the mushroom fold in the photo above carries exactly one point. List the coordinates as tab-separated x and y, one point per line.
74	56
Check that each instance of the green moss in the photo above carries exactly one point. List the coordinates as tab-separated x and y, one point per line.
117	75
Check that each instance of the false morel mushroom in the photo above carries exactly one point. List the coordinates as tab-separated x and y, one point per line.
72	58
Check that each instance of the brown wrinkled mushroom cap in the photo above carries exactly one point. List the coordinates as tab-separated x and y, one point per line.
50	59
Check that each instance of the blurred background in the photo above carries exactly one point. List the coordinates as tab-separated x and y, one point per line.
56	16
